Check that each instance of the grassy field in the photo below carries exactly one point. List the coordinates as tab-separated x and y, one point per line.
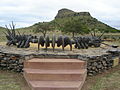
12	81
109	80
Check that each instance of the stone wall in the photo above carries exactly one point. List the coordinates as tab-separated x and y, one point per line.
99	64
13	62
95	64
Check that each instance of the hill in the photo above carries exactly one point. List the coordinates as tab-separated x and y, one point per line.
1	30
69	13
2	35
85	18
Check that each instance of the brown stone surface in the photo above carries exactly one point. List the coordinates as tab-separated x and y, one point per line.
39	71
54	60
56	85
43	75
55	64
55	74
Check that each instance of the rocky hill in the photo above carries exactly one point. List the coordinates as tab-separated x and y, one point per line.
85	18
69	13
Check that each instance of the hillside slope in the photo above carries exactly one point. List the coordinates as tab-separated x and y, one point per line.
1	30
85	18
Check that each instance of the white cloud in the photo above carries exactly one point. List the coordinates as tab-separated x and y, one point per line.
27	12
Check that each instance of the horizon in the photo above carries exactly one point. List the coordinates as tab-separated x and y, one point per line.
25	13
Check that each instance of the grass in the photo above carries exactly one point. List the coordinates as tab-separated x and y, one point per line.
109	80
12	81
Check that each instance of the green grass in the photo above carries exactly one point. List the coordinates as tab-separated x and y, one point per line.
12	81
109	80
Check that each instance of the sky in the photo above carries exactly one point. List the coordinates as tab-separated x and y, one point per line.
28	12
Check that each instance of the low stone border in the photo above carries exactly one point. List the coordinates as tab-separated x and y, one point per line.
95	64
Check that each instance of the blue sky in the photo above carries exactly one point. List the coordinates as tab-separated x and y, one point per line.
27	12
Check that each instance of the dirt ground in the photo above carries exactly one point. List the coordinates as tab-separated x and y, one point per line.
109	80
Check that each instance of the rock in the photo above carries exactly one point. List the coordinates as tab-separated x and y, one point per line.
62	13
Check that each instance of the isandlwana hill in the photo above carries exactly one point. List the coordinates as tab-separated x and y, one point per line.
85	18
69	13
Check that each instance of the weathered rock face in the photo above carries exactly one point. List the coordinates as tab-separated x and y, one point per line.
69	13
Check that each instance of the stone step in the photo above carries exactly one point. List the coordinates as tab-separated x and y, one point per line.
56	64
42	75
55	85
55	74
